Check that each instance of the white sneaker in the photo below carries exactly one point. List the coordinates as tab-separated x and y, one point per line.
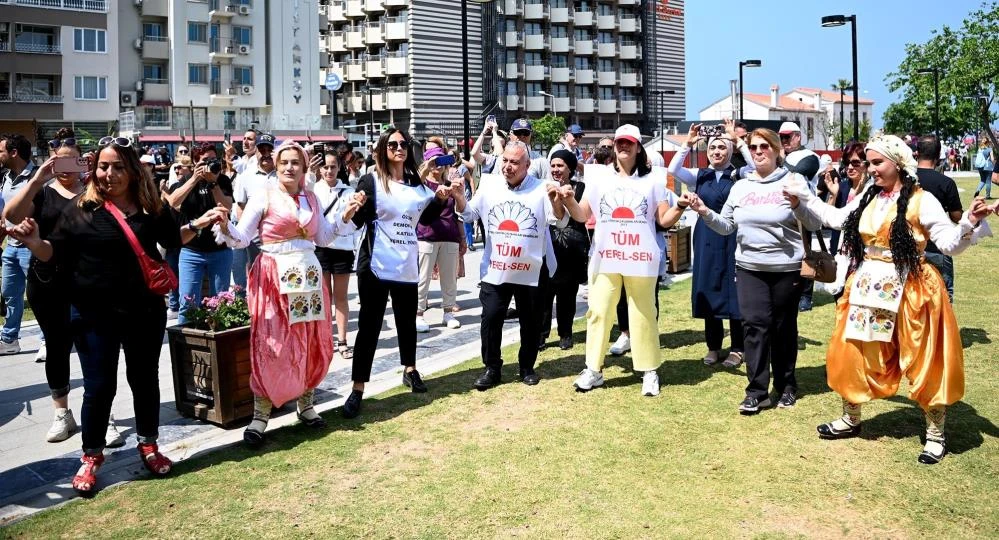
41	354
451	321
63	425
588	380
113	438
650	383
422	325
621	346
13	347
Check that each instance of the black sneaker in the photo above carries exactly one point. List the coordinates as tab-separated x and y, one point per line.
530	378
565	343
489	378
787	400
413	381
751	405
352	407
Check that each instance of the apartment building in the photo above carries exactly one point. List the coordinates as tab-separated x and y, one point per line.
58	66
198	68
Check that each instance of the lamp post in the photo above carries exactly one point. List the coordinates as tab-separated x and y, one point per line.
742	64
936	97
842	134
662	119
371	114
830	21
464	69
546	94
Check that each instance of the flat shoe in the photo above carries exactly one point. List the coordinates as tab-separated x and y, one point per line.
829	432
316	423
253	438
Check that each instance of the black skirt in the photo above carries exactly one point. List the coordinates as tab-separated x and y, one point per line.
335	261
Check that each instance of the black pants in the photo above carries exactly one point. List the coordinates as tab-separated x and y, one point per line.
374	294
495	300
622	309
564	296
50	303
769	305
714	331
100	332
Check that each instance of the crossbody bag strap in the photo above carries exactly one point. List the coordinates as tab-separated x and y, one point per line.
129	233
330	207
806	239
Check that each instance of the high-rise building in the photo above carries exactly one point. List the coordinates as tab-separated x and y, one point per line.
196	68
58	67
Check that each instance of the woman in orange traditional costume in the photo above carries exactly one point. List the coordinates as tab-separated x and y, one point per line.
894	317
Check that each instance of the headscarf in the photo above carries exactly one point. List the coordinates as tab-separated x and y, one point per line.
568	157
895	150
290	144
728	155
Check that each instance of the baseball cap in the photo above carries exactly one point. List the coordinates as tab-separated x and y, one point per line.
576	130
789	127
265	139
146	158
521	124
628	132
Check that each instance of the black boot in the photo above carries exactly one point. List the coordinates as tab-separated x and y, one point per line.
489	378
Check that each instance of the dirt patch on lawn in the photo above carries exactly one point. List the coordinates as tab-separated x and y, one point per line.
844	522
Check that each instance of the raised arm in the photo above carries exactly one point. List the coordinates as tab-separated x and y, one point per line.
685	175
22	204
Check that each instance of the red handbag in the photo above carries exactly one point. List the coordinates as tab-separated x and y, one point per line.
159	277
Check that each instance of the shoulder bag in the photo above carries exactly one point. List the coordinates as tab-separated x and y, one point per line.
816	265
159	277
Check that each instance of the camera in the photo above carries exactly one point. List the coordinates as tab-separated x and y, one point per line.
214	166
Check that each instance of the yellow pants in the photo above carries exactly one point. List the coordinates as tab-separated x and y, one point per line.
605	291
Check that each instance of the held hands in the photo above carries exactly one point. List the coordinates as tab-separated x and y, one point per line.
694	203
219	214
443	192
979	210
355	203
797	190
26	232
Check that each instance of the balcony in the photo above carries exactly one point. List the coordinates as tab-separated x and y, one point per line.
582	18
373	6
335	11
221	10
396	98
584	75
629	80
606	22
534	42
96	6
155	90
513	39
584	105
534	11
355	9
562	104
629	106
354	37
324	18
560	45
374	67
155	8
512	103
561	74
395	29
389	4
627	2
221	49
335	42
324	60
583	47
395	64
354	70
37	48
629	25
32	96
536	103
5	97
607	106
629	50
512	71
222	95
559	15
155	48
605	50
513	7
607	78
373	33
535	73
355	102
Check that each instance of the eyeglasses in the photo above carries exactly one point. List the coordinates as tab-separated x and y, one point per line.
183	152
117	141
397	145
56	143
762	146
857	163
785	137
522	132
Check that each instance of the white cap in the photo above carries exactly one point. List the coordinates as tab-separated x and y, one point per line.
146	158
628	132
789	127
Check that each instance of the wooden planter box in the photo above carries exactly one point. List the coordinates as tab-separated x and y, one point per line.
678	240
211	373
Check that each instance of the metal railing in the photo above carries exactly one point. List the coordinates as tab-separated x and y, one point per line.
4	46
222	45
155	38
23	97
39	48
5	97
155	81
99	6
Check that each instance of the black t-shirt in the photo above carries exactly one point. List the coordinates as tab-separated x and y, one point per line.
161	160
103	271
49	206
944	189
197	202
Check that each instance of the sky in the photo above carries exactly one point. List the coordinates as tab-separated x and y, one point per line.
796	51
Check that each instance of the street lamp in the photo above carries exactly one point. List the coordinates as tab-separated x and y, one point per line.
842	135
464	68
830	21
371	113
662	120
936	97
742	64
546	94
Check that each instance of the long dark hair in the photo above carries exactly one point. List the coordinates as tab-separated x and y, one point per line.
141	185
409	173
902	244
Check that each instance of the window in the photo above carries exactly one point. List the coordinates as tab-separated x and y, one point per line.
90	88
605	64
89	40
228	119
605	37
242	35
197	74
606	92
584	92
583	62
242	75
532	58
36	39
533	89
560	60
811	128
4	39
560	31
153	32
583	5
605	9
532	29
4	86
154	73
197	32
182	118
510	25
559	3
582	34
628	94
863	115
156	116
37	88
560	90
511	88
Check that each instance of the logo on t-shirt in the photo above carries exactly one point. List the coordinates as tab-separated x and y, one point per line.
623	204
512	217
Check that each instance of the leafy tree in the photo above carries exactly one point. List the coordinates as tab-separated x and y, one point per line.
548	130
834	132
967	59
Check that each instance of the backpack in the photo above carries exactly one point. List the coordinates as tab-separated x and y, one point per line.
980	160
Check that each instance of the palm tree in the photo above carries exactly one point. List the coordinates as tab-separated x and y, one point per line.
840	86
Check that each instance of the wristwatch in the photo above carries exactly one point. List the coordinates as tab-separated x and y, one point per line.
192	226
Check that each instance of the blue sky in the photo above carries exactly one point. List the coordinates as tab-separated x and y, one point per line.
797	51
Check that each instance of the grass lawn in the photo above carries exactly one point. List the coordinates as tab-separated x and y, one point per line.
546	461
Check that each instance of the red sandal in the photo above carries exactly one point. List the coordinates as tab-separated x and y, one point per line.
157	463
86	477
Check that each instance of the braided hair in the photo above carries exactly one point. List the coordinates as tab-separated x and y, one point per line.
903	246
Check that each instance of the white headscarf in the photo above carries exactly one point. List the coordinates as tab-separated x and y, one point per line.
896	150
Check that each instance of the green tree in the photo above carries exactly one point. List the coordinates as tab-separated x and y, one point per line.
967	60
548	130
834	131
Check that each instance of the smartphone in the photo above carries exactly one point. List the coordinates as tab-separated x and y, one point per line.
67	164
227	136
711	131
318	149
444	161
491	121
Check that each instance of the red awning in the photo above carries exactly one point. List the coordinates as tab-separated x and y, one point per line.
175	138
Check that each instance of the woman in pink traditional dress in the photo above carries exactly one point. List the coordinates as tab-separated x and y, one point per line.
291	337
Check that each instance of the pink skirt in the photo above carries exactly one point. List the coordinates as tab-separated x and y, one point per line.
287	360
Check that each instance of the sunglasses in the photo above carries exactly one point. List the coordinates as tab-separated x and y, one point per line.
606	147
117	141
762	146
522	132
183	151
857	163
397	145
56	143
785	137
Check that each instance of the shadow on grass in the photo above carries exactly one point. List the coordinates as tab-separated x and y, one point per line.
965	428
971	336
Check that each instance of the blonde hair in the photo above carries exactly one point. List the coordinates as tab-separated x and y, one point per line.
140	186
772	139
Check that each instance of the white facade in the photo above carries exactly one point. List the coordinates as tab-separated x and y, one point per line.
86	71
292	62
831	103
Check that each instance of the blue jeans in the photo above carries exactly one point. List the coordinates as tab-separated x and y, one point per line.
173	297
945	264
239	268
194	265
14	275
470	233
986	183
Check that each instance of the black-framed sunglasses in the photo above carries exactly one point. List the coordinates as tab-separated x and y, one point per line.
785	137
606	147
523	132
183	152
857	163
762	146
56	143
397	145
117	141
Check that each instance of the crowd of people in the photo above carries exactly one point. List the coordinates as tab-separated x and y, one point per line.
94	249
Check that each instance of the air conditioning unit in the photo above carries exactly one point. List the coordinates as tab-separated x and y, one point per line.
138	44
127	99
138	86
246	90
244	10
244	49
